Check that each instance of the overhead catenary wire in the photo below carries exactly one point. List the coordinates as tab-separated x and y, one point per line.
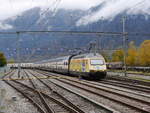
54	10
79	32
55	3
134	6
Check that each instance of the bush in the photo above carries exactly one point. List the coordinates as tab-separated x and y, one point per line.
3	61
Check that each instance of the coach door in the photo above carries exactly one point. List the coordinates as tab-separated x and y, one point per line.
83	66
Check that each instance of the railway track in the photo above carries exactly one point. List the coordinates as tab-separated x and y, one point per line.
128	80
101	106
24	90
66	103
133	101
11	72
122	84
37	98
132	86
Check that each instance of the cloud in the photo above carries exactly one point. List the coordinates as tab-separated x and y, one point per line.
78	4
9	8
114	7
5	26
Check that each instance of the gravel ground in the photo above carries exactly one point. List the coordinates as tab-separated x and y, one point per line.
124	109
131	91
78	101
127	100
99	99
14	102
115	89
41	87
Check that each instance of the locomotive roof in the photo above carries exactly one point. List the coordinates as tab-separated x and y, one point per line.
89	55
86	55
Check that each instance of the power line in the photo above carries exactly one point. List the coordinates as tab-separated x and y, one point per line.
54	10
56	3
139	3
39	22
80	32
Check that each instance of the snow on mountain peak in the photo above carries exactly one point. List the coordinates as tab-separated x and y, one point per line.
5	26
112	8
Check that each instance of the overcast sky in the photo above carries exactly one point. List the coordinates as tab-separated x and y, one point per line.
110	9
10	8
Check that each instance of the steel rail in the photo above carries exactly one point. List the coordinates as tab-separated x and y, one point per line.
130	105
128	80
111	98
48	108
6	74
138	88
85	97
103	84
10	83
28	97
129	86
113	92
60	103
34	90
63	98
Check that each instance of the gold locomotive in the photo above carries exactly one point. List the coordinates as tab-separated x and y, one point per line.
91	65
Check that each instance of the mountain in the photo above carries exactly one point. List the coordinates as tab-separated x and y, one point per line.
51	44
34	19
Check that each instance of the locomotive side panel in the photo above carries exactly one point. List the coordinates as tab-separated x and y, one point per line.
88	65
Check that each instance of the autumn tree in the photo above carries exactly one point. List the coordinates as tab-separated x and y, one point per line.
118	56
144	53
131	59
3	61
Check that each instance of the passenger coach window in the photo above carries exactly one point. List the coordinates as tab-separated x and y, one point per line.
97	62
65	63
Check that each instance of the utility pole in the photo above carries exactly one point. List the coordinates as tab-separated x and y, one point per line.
18	54
98	43
99	36
94	47
124	45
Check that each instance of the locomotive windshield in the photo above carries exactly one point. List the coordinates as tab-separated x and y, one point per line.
97	62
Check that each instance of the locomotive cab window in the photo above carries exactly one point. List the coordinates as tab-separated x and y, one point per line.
97	62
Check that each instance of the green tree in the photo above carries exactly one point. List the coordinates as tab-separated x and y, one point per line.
3	61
